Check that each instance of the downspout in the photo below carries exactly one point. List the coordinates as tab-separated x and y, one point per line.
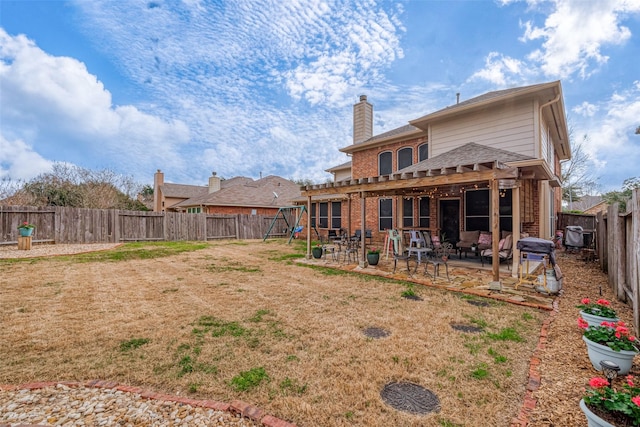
544	218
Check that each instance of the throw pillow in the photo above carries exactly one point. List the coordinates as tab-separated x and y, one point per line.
484	239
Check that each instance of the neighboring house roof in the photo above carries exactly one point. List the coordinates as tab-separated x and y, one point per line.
468	154
260	193
182	191
585	202
598	207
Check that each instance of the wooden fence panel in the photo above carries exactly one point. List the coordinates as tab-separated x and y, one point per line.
80	225
141	226
221	227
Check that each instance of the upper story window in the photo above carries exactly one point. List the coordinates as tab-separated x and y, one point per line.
405	157
423	152
385	163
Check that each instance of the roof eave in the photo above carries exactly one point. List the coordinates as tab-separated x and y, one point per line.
422	122
376	142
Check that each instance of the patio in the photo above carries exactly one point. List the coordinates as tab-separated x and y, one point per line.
467	275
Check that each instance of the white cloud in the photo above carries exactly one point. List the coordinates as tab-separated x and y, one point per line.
574	34
501	70
18	161
586	109
47	98
612	141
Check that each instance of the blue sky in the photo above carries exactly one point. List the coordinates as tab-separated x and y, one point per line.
267	87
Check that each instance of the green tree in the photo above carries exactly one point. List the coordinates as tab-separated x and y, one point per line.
624	195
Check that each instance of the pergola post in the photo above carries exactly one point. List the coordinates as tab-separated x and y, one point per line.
515	227
363	223
308	227
495	229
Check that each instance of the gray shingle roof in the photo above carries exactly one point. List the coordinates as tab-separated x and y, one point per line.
182	191
250	193
486	98
465	155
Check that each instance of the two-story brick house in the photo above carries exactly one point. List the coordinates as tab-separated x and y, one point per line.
488	163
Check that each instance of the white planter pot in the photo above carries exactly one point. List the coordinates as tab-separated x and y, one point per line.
598	352
592	419
594	320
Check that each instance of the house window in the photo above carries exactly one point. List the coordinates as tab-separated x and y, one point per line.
407	212
476	210
313	214
385	214
336	209
323	218
405	157
385	166
194	210
423	152
425	213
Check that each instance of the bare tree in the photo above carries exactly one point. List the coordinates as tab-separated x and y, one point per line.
70	185
577	174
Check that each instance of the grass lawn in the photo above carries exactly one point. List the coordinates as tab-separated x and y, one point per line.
243	320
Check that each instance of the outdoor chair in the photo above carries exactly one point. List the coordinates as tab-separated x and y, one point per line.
416	239
401	257
505	251
442	254
391	239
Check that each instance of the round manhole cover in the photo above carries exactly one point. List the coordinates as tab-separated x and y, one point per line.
478	303
466	328
376	332
410	397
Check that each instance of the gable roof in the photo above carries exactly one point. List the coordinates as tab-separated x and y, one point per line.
546	91
250	193
467	155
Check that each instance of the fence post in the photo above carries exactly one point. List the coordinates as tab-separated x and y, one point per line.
237	221
635	258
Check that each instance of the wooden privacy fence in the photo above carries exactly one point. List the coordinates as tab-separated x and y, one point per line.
80	225
618	252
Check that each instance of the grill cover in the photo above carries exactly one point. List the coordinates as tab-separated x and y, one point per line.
538	246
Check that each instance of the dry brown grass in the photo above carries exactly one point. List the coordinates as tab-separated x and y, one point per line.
232	307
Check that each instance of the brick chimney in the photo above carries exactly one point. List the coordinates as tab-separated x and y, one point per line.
214	183
362	120
158	181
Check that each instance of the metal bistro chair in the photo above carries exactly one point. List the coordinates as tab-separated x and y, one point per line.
417	240
442	254
401	257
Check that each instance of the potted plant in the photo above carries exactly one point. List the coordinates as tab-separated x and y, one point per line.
373	256
25	229
609	341
594	313
316	251
604	405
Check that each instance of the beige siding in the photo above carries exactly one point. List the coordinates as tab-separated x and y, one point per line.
507	127
342	175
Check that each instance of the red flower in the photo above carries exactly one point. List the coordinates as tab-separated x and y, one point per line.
630	380
603	302
582	323
598	382
632	338
636	400
585	300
